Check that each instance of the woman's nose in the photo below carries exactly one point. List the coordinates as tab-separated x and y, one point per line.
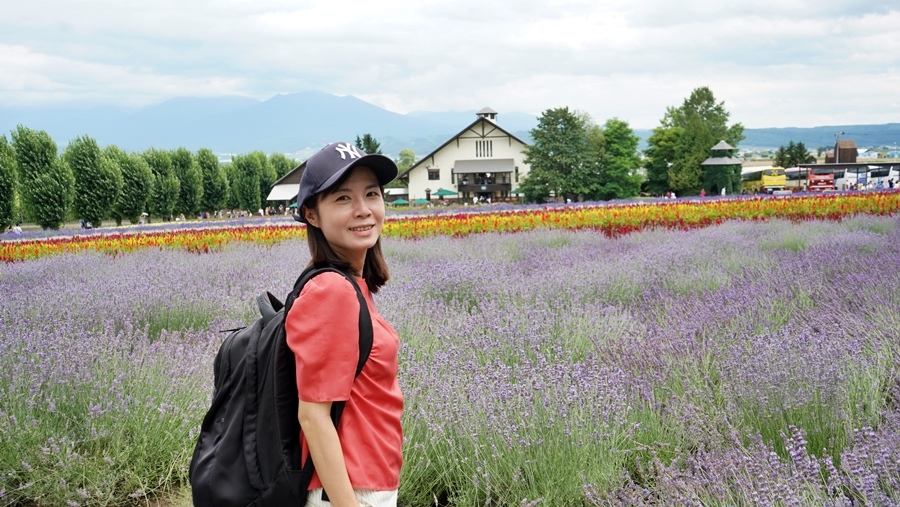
362	208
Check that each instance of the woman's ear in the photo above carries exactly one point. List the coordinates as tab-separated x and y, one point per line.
312	218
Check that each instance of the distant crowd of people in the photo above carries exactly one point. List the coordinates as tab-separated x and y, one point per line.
228	214
871	185
268	211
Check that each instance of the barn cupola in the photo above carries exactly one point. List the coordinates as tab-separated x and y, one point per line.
488	114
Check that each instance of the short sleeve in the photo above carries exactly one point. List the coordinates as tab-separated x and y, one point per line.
322	330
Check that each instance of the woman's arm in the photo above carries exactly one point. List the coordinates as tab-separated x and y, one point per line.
327	454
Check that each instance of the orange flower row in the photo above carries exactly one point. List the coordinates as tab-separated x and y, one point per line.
612	220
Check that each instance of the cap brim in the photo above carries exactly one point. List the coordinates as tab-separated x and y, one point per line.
384	168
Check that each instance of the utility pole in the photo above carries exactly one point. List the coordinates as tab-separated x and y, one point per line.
837	147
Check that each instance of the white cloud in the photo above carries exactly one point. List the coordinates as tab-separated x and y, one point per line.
33	79
774	63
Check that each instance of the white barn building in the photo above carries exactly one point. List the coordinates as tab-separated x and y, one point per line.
483	161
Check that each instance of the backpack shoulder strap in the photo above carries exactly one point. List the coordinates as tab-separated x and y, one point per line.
268	305
365	319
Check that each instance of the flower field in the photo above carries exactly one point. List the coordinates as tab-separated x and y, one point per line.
611	220
726	353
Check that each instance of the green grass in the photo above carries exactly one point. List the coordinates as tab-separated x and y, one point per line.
182	317
76	450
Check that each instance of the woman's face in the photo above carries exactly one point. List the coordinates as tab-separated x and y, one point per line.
351	215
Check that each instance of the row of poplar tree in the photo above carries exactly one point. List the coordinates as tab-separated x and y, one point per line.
93	184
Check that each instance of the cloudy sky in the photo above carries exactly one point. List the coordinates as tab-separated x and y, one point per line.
774	63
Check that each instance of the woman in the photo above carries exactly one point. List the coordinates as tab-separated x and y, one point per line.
357	464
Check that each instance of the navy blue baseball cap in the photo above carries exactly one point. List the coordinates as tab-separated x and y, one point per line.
331	163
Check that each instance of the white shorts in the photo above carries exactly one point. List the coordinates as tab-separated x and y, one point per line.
366	498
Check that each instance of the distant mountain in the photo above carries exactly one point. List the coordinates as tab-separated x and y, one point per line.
300	123
284	123
815	137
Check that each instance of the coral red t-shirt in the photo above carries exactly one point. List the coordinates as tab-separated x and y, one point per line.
323	331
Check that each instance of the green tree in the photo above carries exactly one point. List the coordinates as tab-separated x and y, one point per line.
7	184
780	157
190	182
215	181
166	187
46	182
559	157
595	152
793	155
137	184
660	153
231	201
405	159
368	144
619	161
702	122
693	147
267	177
245	185
98	181
165	196
52	194
35	152
281	164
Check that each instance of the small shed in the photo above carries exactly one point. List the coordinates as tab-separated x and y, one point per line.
845	152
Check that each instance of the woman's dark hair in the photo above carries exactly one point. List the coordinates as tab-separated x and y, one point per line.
375	269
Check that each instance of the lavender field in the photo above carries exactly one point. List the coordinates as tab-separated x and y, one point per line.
743	364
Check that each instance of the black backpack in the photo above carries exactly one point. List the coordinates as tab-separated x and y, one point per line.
248	451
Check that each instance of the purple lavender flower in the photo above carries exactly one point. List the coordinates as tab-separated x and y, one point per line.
748	363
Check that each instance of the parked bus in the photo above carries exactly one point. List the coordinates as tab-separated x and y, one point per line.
763	181
795	179
805	179
820	182
867	177
882	175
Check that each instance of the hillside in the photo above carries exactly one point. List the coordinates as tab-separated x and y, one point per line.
814	137
299	123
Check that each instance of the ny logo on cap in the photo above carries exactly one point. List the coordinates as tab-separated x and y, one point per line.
347	149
